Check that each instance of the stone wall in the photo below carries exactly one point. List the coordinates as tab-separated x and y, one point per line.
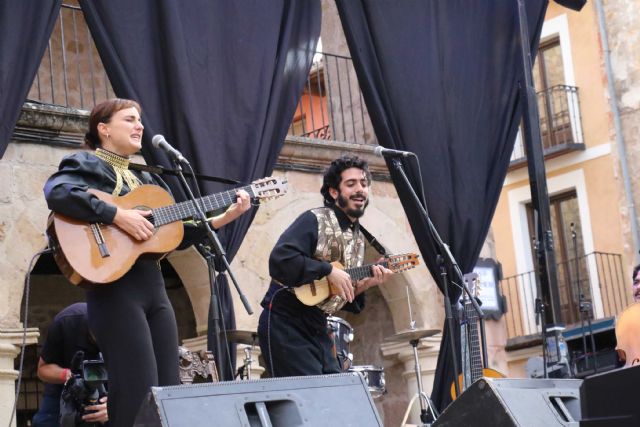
29	161
622	18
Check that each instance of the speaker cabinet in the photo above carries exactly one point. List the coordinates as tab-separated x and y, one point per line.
328	400
515	402
572	4
611	399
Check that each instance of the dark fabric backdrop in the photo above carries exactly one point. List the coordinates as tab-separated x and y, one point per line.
440	79
219	79
25	29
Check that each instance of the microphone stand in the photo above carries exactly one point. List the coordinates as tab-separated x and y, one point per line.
221	254
448	256
584	306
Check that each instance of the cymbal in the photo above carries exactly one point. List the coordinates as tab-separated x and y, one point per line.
242	337
410	335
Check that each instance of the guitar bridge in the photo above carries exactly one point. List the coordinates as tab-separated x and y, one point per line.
99	238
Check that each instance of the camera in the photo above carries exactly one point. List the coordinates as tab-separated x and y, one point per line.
84	388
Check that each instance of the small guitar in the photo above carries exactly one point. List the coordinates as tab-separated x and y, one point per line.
100	253
321	293
471	353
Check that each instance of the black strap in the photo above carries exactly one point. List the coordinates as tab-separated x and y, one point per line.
159	170
373	241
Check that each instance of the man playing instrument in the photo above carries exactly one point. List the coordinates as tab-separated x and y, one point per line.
293	336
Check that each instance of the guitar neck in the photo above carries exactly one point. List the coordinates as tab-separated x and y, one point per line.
475	357
359	273
186	210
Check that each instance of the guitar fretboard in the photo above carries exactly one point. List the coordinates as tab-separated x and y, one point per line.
475	357
362	272
185	210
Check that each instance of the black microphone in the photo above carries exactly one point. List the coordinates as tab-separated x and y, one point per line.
388	152
158	141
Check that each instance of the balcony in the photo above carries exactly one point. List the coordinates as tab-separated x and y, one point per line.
331	106
601	281
560	125
71	75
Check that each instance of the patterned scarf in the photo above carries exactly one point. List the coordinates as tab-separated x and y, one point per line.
120	166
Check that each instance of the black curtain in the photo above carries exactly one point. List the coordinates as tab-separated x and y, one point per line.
219	79
25	28
440	79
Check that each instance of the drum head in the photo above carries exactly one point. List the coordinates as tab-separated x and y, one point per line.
374	377
334	320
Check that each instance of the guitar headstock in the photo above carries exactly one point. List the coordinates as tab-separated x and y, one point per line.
269	188
473	283
402	262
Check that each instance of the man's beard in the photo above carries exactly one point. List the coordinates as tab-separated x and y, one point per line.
353	213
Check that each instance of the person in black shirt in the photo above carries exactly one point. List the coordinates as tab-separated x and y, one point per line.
68	333
131	318
293	336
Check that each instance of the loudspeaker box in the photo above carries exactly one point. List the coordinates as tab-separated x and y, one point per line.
515	402
335	400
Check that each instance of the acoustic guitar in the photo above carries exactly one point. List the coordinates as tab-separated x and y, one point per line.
90	253
320	293
471	352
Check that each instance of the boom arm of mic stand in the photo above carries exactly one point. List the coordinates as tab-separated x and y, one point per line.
444	249
447	302
213	237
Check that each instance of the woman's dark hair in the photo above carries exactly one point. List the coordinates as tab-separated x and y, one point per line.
102	113
333	175
635	271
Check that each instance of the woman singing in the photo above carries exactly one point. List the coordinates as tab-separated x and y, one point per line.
131	318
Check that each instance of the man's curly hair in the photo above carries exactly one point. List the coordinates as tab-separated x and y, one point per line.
333	175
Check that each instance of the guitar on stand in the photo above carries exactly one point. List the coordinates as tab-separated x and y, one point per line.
471	353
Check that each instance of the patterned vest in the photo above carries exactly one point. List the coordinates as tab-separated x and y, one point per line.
337	245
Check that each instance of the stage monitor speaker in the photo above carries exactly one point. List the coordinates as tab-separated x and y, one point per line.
515	402
335	400
610	399
572	4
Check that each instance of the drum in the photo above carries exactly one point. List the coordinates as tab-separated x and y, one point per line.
341	333
374	377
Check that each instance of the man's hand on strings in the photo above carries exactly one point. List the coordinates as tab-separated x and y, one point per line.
341	284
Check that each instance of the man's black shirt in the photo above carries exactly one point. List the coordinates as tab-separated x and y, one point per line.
68	333
292	264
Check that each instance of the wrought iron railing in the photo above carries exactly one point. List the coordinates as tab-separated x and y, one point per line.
71	73
601	281
331	106
560	123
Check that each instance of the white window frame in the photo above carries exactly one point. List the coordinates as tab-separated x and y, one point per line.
558	27
518	200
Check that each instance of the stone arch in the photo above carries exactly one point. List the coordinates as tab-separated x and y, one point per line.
193	271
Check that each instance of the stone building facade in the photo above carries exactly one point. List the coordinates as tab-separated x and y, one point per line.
623	33
26	165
